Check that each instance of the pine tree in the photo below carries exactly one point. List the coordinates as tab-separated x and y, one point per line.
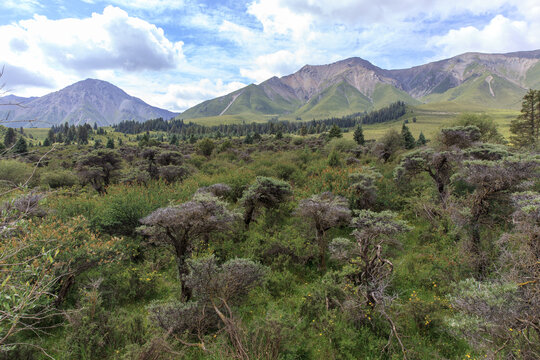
526	127
20	147
358	135
10	137
335	132
248	139
421	140
408	139
110	143
47	142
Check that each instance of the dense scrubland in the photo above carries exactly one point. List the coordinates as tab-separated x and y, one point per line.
283	245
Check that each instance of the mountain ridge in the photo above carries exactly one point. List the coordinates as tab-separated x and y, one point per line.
86	101
460	79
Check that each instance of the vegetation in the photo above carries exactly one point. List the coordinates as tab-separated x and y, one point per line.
270	247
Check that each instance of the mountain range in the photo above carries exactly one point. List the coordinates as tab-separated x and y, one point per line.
471	80
88	101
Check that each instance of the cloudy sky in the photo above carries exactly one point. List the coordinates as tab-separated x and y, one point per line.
175	54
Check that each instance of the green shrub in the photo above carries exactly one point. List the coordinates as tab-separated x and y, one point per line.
58	178
340	144
13	172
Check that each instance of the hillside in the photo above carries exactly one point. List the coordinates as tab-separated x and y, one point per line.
88	101
468	81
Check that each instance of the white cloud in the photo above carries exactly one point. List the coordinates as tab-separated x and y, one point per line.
240	34
109	40
69	49
277	15
20	5
150	5
279	63
180	97
500	35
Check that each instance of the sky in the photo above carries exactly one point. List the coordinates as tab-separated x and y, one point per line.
176	54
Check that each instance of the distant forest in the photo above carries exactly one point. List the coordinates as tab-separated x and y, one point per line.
178	126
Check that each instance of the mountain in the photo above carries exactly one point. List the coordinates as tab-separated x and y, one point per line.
471	80
88	101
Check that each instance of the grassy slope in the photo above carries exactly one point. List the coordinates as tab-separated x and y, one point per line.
475	93
386	94
430	118
533	77
338	100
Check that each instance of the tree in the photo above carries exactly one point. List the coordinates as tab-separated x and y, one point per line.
180	226
98	168
492	180
408	138
266	193
370	271
358	135
206	146
82	135
484	123
439	165
10	137
363	188
421	140
20	146
526	127
367	272
460	136
248	139
324	211
388	145
110	143
335	132
215	288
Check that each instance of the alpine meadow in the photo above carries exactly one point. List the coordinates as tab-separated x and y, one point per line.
382	203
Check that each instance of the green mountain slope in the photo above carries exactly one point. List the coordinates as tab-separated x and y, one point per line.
386	94
339	99
486	91
533	77
253	99
470	81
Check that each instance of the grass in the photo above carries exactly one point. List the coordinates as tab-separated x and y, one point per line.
430	119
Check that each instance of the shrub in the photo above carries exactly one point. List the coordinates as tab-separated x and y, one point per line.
58	178
13	172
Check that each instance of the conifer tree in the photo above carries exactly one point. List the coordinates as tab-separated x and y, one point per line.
10	137
408	138
335	132
20	147
526	127
359	135
421	140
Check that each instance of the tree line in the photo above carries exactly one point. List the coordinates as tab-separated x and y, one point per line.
179	126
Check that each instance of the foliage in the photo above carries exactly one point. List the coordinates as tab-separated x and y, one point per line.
526	128
324	211
58	178
358	135
99	168
14	173
265	193
181	226
484	123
